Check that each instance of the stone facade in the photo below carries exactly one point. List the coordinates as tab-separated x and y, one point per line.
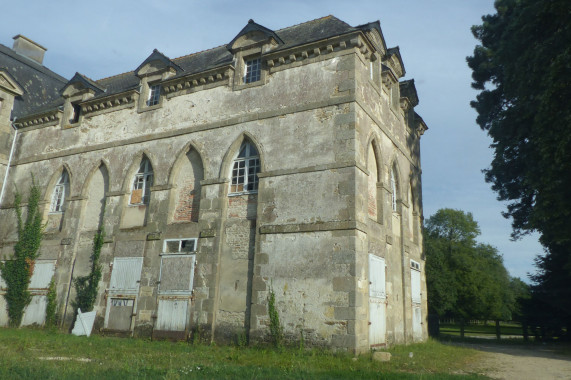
336	187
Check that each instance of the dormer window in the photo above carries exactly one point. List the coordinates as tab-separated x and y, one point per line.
154	95
252	70
75	113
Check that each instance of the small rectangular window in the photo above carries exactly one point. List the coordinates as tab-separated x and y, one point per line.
181	246
253	70
154	95
414	265
75	113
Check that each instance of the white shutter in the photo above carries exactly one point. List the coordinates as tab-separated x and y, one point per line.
126	274
172	315
415	285
43	273
377	285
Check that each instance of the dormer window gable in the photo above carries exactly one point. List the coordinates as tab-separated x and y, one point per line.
9	84
375	36
254	35
157	64
393	60
79	89
155	69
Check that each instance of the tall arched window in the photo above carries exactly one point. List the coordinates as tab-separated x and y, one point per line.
394	190
245	169
142	183
60	192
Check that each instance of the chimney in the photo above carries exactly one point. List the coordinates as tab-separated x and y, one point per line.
28	48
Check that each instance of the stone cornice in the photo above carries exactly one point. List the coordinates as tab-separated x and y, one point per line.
317	49
189	83
43	119
93	107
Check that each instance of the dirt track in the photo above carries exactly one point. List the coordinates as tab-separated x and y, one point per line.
509	362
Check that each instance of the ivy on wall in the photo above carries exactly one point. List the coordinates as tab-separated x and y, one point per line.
86	286
17	271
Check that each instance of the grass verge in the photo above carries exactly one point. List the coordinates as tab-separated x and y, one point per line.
38	354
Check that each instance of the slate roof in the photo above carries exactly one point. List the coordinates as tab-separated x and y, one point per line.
291	36
307	32
41	85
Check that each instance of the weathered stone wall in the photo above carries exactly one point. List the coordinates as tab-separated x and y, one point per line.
307	233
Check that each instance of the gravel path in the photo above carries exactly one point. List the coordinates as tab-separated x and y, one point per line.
521	363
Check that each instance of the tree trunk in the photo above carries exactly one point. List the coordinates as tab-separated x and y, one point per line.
524	330
498	332
462	328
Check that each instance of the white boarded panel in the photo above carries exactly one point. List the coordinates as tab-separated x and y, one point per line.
126	274
378	319
43	273
415	285
35	312
417	323
377	285
172	315
3	312
177	273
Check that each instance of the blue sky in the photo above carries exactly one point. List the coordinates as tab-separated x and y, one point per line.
105	38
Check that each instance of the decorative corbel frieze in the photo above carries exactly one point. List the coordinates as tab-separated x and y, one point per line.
91	106
184	84
48	118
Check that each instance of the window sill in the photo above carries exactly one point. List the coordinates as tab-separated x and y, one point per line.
150	108
55	213
243	193
243	86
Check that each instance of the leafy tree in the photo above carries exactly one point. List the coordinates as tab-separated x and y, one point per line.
18	271
465	279
522	71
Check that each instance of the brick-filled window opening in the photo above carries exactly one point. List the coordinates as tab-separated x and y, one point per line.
394	191
142	183
245	170
60	192
253	70
182	246
154	95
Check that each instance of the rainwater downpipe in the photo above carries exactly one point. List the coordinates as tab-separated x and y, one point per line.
9	160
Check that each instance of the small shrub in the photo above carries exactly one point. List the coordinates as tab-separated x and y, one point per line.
276	329
51	318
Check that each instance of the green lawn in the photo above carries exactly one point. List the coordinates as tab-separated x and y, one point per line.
39	354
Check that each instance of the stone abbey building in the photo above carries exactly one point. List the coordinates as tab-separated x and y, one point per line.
284	161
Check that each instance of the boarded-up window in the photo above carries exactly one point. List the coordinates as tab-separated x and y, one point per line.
177	273
415	282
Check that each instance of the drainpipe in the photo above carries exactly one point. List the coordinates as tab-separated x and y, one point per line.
9	160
